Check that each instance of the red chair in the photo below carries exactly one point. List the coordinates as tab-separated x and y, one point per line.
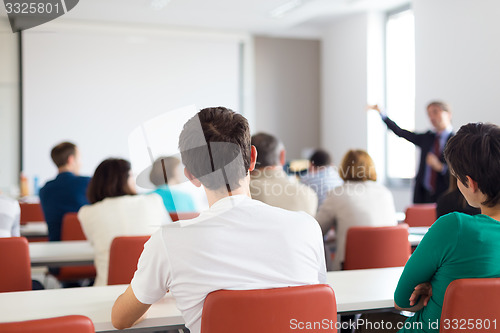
71	230
123	257
269	310
473	304
73	324
31	212
183	216
16	264
420	215
376	247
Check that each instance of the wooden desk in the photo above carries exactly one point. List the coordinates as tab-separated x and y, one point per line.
355	291
67	253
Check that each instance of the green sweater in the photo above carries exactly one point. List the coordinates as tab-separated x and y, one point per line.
457	246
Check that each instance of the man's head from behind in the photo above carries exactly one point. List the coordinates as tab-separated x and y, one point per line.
66	157
320	158
215	148
270	151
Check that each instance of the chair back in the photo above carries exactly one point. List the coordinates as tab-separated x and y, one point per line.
123	257
376	247
31	212
420	215
269	310
183	215
473	304
71	230
15	264
73	324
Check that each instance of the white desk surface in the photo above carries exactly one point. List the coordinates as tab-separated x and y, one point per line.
34	229
65	253
358	290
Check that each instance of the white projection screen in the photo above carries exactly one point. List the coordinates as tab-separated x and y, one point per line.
95	86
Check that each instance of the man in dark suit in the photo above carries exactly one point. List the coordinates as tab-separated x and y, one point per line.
432	177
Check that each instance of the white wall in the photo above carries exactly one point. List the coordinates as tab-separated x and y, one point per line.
9	110
344	86
287	91
457	58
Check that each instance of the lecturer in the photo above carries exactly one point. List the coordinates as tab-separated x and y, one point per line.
432	178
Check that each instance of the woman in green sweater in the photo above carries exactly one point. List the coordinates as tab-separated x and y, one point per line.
457	246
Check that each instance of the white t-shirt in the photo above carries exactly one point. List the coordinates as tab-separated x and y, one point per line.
10	214
128	215
363	203
237	244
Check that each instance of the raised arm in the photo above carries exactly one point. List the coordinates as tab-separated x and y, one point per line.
414	138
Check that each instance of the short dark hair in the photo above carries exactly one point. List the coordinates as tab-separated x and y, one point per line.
475	152
320	158
163	169
268	149
442	105
62	152
110	180
215	147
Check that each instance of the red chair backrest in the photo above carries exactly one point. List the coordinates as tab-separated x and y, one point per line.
269	310
420	215
31	212
183	216
471	302
71	230
15	264
123	257
376	247
71	324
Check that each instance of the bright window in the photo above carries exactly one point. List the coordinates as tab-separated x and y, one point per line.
400	92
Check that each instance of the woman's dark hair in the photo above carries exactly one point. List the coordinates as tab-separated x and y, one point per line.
475	152
110	180
320	158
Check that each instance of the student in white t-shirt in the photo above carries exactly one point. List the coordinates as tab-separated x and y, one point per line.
238	243
10	215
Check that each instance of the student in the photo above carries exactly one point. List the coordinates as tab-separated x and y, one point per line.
458	246
238	243
116	210
360	201
454	201
270	184
321	175
432	176
66	193
10	215
164	174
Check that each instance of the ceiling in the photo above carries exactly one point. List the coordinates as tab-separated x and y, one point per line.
254	16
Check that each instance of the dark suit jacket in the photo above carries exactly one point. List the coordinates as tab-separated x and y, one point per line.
426	143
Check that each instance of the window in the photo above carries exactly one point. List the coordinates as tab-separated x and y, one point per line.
400	92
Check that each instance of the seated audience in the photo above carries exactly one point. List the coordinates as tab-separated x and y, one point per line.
238	243
164	174
321	175
271	185
454	201
458	246
116	210
10	215
66	193
359	202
